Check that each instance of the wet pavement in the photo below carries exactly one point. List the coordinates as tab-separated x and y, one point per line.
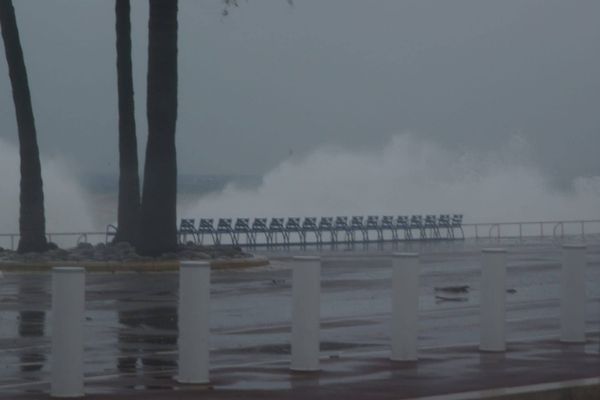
131	327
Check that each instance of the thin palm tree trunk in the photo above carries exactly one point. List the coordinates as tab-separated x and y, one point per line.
129	181
32	222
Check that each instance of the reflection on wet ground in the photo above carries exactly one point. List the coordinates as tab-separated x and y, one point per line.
31	324
132	343
131	318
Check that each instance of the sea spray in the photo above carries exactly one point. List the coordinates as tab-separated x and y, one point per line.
409	176
65	204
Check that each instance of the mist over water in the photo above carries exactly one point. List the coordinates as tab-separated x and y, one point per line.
409	176
65	204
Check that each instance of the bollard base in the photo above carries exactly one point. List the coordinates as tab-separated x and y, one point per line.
195	385
404	361
492	350
303	371
573	341
192	381
80	395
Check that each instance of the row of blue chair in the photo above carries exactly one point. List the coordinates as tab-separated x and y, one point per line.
323	230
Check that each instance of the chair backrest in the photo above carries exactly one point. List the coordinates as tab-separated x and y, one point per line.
444	221
372	221
416	221
309	223
326	223
187	225
356	222
430	221
293	223
276	224
224	224
402	222
387	221
242	224
341	222
259	224
457	220
206	225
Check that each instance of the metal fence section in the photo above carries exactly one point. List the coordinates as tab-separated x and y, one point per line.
337	230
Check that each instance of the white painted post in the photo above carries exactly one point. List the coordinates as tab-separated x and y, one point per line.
194	322
493	299
572	299
68	304
405	306
306	303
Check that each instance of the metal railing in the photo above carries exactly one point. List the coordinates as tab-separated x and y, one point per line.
481	230
541	229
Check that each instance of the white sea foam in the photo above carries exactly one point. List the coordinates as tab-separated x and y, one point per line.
409	176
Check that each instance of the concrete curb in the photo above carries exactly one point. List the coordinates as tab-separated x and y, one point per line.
581	389
129	266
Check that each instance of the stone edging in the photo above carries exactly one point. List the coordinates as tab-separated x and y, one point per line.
129	266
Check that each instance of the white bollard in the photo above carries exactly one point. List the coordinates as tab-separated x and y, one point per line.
306	303
493	300
405	306
572	299
68	304
194	322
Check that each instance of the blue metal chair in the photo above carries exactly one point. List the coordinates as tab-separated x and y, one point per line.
206	227
457	224
416	222
224	228
373	225
341	226
432	225
387	224
276	227
402	223
310	225
187	226
326	225
356	225
444	223
292	225
259	226
241	227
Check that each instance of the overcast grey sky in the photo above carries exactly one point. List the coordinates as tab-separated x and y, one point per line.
271	78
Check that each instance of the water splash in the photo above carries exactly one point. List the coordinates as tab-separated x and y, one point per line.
65	203
408	176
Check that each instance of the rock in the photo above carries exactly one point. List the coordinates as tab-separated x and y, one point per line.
453	289
124	246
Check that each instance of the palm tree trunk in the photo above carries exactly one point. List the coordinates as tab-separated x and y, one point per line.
129	181
32	222
159	217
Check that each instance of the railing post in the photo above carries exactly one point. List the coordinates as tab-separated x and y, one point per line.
572	301
194	320
306	303
493	298
68	303
405	306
